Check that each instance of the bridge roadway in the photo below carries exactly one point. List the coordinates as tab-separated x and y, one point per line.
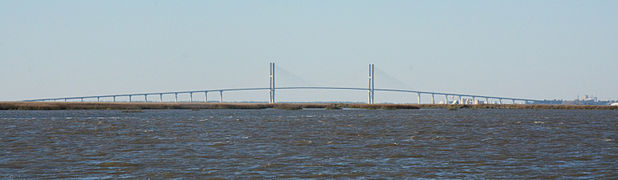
221	91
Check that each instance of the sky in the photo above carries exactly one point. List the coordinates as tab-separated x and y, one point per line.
528	49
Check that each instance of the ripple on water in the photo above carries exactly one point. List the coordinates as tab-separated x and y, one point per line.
271	144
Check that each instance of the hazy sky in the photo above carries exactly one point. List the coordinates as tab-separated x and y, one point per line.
531	49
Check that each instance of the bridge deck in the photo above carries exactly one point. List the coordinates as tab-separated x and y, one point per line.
285	88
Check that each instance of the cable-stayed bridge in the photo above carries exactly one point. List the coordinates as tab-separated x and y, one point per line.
456	98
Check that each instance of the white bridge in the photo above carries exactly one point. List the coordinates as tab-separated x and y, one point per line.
458	98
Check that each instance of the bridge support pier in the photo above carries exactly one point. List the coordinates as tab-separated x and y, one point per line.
221	97
486	100
175	97
418	98
446	99
129	98
98	99
500	100
160	97
433	100
205	96
112	96
190	96
145	97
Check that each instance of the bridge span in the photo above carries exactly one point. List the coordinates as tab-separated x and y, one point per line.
457	98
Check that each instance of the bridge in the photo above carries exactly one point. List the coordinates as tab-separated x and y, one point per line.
458	98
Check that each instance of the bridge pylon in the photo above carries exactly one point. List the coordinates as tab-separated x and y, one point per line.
271	89
371	87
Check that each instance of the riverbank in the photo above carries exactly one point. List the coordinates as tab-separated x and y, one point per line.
289	106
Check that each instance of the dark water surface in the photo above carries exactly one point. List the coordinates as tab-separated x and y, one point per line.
309	144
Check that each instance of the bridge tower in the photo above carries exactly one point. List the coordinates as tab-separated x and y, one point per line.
371	84
271	90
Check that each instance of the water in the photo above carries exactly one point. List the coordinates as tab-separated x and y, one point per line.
309	144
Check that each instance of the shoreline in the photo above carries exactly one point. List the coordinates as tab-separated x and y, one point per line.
288	106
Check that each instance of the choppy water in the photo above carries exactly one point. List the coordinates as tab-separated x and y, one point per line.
309	144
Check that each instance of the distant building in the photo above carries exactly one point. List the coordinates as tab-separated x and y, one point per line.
587	100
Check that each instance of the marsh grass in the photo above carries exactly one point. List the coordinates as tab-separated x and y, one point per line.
516	106
334	107
288	106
